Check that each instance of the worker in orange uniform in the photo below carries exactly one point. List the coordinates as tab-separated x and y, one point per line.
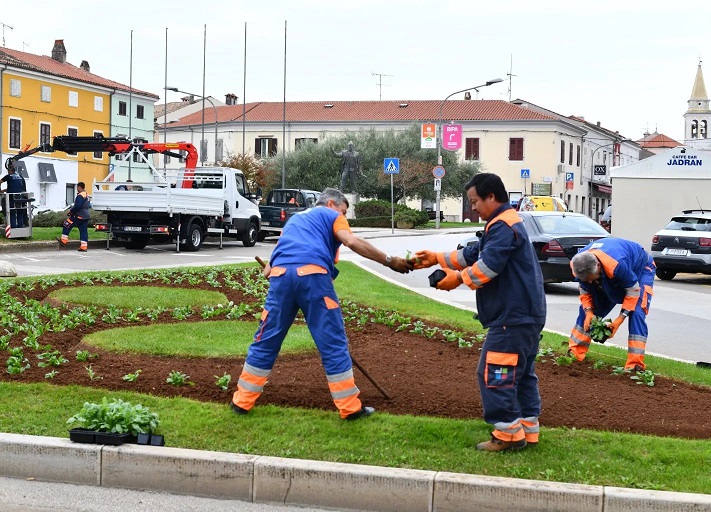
78	215
511	304
613	271
301	273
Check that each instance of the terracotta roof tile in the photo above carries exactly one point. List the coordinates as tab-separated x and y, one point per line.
368	111
50	66
657	140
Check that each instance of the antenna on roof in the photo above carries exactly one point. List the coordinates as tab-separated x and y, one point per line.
510	74
380	83
23	45
701	207
4	26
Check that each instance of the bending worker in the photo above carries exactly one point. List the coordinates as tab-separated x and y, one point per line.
511	303
613	271
301	273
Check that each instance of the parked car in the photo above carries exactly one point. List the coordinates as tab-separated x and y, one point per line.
683	245
556	237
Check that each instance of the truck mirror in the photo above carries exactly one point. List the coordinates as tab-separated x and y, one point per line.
259	191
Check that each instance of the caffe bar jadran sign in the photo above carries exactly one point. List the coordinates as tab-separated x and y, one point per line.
683	159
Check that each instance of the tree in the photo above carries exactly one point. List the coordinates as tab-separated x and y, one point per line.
314	166
257	173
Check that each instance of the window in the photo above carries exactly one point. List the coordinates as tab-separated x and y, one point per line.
264	147
516	148
72	132
300	142
139	111
703	132
46	94
98	103
137	157
73	99
45	133
122	108
15	133
471	148
166	159
239	184
577	157
69	194
15	88
570	154
98	154
562	151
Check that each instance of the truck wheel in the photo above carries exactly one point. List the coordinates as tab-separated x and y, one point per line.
193	237
136	242
665	275
249	238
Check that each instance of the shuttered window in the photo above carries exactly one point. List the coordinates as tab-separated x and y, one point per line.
516	148
471	149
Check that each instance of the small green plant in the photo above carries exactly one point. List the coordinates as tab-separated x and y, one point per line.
598	329
619	370
223	382
177	378
564	360
17	364
84	355
53	358
51	375
116	416
645	377
599	365
92	374
132	377
544	352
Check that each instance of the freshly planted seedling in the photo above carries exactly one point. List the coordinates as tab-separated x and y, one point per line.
92	374
223	382
53	358
599	331
84	355
177	378
132	377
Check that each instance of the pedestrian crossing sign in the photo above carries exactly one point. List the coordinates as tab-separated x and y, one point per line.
391	165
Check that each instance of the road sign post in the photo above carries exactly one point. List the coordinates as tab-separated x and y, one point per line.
438	172
391	166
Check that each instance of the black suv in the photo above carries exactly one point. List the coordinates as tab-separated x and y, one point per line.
683	245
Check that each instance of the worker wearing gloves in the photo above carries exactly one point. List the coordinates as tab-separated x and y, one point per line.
301	273
613	271
511	304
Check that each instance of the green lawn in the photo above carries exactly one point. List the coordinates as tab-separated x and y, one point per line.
564	455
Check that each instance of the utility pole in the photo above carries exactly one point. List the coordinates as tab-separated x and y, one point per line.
510	74
4	26
380	83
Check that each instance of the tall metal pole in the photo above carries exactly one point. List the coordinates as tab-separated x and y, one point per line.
214	109
130	99
244	92
439	143
283	124
203	158
165	101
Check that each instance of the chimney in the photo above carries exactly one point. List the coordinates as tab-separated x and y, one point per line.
85	66
231	99
467	95
59	52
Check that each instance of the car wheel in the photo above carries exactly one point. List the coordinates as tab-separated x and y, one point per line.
193	238
665	275
249	238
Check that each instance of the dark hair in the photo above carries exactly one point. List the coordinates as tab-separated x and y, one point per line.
488	183
81	184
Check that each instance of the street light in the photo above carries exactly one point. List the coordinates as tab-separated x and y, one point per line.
175	89
439	144
592	169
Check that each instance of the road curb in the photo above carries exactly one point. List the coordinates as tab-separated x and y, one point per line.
309	483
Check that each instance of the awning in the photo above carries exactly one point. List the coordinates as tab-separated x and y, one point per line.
605	189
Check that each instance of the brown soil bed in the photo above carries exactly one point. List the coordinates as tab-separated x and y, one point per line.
423	376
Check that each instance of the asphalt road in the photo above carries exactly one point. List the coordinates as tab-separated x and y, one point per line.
678	321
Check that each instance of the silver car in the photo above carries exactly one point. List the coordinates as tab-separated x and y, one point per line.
683	245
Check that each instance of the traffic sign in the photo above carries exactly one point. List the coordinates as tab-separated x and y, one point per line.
569	176
438	172
391	165
525	173
437	184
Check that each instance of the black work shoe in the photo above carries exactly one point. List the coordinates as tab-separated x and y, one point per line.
497	445
365	411
237	409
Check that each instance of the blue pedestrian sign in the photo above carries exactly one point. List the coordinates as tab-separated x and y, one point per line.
391	165
525	173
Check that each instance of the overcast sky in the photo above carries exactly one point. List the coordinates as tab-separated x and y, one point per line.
628	64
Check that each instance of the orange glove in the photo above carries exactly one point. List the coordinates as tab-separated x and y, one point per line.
589	315
451	281
424	259
614	325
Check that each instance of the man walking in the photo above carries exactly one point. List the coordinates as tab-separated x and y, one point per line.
613	271
511	304
301	273
78	214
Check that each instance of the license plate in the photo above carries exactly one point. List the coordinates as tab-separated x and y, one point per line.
132	228
266	223
677	252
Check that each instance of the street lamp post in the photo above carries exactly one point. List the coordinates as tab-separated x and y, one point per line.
439	144
175	89
592	170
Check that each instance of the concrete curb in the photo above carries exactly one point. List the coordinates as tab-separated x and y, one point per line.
308	483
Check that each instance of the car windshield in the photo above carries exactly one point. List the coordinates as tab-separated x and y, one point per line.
568	225
689	224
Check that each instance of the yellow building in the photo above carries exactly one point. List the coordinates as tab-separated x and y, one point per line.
43	97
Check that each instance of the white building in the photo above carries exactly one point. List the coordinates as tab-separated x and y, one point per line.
698	116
